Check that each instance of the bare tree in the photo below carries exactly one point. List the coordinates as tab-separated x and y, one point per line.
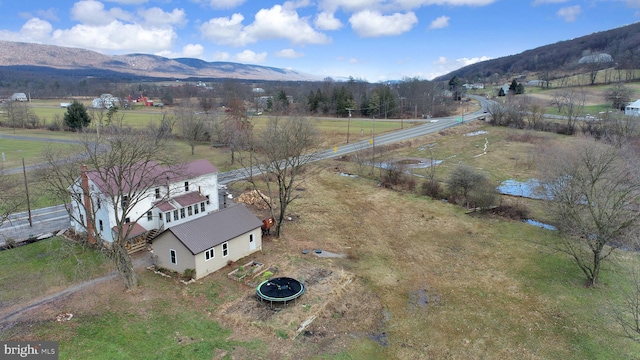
616	129
18	113
237	128
128	163
282	154
618	96
11	199
498	113
570	103
535	116
627	314
192	126
593	191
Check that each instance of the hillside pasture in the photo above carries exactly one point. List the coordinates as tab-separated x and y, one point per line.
420	279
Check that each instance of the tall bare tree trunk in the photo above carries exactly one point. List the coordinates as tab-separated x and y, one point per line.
124	265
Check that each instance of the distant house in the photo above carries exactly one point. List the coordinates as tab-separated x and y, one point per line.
633	109
209	243
186	196
105	101
22	97
473	86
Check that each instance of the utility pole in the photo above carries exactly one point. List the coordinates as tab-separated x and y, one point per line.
348	122
26	186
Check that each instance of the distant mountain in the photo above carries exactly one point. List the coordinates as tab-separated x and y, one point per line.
58	60
622	44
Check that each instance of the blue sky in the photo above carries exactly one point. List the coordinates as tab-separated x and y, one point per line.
373	40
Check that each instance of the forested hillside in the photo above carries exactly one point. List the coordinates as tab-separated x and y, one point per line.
622	44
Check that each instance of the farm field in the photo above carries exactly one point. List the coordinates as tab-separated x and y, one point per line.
420	279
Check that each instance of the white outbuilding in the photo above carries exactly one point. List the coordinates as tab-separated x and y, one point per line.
633	109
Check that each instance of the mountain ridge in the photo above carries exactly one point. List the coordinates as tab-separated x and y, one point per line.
21	55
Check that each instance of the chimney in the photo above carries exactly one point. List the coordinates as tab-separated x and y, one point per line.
87	204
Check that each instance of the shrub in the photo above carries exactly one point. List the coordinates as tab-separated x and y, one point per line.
431	188
10	243
515	210
189	274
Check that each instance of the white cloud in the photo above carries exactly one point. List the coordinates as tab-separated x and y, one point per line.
157	17
373	24
91	12
250	57
36	29
443	65
278	22
48	14
330	6
540	2
570	13
326	21
288	53
440	22
129	2
283	22
188	51
224	4
353	61
225	30
117	37
220	56
393	5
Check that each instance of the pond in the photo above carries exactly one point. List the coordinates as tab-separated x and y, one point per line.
528	189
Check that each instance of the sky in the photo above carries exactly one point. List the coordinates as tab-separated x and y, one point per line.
372	40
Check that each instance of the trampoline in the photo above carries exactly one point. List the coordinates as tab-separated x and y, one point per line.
280	290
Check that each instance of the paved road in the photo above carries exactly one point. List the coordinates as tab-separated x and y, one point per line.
45	220
55	218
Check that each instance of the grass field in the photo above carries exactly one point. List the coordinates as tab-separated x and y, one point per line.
427	281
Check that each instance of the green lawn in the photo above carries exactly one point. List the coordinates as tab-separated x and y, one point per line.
43	267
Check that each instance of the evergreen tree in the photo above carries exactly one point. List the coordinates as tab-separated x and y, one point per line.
76	116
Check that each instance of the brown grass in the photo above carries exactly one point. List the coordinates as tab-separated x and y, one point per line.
421	280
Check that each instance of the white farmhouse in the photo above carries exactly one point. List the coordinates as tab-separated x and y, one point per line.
186	196
22	97
633	109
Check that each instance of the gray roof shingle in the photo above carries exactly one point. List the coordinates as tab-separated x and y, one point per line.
213	229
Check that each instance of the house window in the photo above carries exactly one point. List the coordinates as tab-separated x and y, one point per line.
175	215
160	216
186	186
208	200
98	202
209	254
225	249
168	216
127	220
125	201
101	226
202	206
149	215
182	213
195	209
157	193
173	257
189	211
82	219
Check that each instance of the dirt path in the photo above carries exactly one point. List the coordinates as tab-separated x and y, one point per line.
140	260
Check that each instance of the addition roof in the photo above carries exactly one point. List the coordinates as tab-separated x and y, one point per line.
215	228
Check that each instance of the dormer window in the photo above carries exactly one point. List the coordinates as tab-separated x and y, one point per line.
186	186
